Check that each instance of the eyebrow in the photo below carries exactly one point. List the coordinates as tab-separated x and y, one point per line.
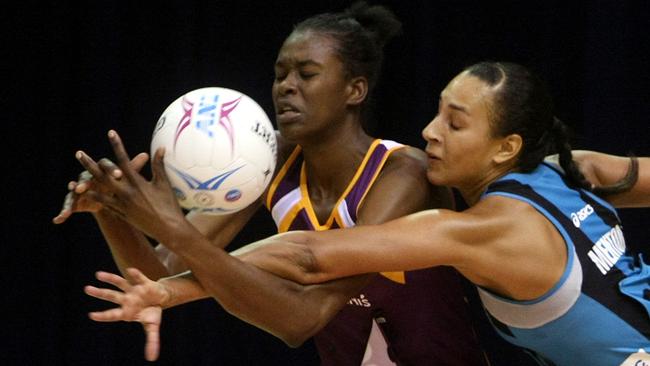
458	108
300	63
455	107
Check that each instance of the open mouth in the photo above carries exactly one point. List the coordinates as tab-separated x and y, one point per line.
286	112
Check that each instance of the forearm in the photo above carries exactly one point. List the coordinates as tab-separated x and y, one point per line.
604	170
285	255
129	247
280	307
639	194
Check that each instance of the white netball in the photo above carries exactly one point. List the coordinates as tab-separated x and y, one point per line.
220	149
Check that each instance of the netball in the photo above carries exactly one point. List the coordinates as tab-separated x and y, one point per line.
220	149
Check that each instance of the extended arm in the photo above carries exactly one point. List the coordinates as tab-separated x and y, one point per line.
482	242
406	243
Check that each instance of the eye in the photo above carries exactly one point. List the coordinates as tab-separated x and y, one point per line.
280	73
307	75
453	125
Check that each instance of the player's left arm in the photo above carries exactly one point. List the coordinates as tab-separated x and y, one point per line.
606	170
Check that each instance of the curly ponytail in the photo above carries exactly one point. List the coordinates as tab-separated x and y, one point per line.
563	149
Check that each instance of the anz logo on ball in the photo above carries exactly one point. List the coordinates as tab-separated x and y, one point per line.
210	184
206	116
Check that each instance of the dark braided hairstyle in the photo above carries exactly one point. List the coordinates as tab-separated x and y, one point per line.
522	105
360	32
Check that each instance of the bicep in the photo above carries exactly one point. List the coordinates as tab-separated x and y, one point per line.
425	239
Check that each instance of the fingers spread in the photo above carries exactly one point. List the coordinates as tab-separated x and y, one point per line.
158	166
115	280
66	210
136	276
113	296
139	161
111	315
110	168
118	148
90	165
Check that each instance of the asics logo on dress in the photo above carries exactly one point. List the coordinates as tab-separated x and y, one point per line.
580	216
360	301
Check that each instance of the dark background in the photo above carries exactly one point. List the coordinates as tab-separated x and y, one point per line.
73	71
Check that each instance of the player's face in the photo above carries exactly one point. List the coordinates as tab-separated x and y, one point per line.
459	143
309	87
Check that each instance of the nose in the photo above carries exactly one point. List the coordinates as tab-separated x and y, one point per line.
286	85
430	133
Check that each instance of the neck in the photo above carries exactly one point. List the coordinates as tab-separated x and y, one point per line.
472	193
331	162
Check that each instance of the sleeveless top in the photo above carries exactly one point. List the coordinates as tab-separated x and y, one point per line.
403	318
597	313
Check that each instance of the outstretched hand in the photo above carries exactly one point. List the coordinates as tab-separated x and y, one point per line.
150	206
141	300
77	201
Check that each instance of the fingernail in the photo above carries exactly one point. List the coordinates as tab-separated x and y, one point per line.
78	154
111	133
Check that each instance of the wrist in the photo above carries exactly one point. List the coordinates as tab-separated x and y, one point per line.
166	295
105	214
178	234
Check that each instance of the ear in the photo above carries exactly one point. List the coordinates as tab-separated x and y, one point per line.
357	90
508	149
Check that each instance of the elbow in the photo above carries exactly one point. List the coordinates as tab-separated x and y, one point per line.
294	341
296	336
300	325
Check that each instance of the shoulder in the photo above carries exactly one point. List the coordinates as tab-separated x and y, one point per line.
407	161
408	166
495	227
402	188
502	219
512	237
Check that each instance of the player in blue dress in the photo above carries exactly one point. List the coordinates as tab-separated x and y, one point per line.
547	254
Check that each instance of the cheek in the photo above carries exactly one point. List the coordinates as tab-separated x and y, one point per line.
274	91
463	156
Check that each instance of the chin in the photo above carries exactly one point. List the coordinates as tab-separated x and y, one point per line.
288	131
435	178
